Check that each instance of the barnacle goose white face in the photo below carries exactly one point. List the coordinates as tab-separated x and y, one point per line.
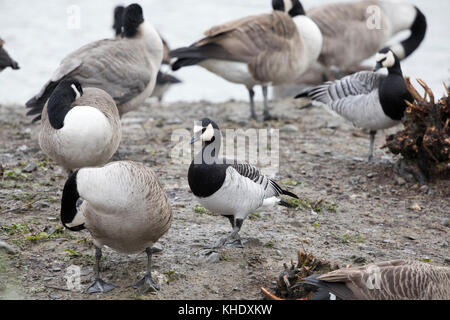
207	135
386	60
287	5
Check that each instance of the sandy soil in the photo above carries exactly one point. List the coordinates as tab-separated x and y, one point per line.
363	211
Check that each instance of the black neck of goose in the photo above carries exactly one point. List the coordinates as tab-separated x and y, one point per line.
418	29
59	105
69	202
132	19
297	9
210	150
396	69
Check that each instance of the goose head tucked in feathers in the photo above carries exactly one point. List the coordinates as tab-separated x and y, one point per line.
291	7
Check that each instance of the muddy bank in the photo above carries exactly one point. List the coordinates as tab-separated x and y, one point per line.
351	211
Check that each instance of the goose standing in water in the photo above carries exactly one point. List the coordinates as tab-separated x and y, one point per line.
389	280
123	207
5	60
266	49
369	100
126	68
80	126
230	188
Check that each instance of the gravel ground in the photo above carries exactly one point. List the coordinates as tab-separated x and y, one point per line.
363	212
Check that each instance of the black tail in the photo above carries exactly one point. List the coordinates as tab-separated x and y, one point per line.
304	93
418	30
290	194
37	103
339	289
188	56
6	60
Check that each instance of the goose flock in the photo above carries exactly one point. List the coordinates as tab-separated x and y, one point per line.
123	205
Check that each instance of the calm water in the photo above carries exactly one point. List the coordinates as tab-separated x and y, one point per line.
38	37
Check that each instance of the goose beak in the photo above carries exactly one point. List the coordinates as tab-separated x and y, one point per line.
377	67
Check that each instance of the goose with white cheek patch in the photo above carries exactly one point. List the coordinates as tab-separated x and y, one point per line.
80	127
266	49
123	207
226	187
368	99
355	31
125	67
388	280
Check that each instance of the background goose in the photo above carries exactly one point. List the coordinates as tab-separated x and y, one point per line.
227	187
267	49
124	207
390	280
370	100
163	80
125	68
348	38
5	60
348	41
80	127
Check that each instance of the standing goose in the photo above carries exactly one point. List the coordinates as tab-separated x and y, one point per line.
390	280
124	207
369	100
227	187
351	35
266	49
80	127
125	68
163	80
5	60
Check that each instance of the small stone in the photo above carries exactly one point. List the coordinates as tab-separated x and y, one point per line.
416	207
32	166
289	128
400	181
157	247
424	189
7	248
370	175
445	222
213	258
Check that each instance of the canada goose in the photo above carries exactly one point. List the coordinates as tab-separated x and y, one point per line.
5	60
123	207
125	68
80	126
230	188
370	100
389	280
266	49
355	31
163	80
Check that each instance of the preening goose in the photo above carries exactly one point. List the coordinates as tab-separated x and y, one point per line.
5	60
355	31
163	80
369	100
226	187
126	68
80	126
389	280
123	207
266	49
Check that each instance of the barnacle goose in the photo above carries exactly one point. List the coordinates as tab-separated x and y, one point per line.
230	188
369	100
123	206
126	68
266	49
